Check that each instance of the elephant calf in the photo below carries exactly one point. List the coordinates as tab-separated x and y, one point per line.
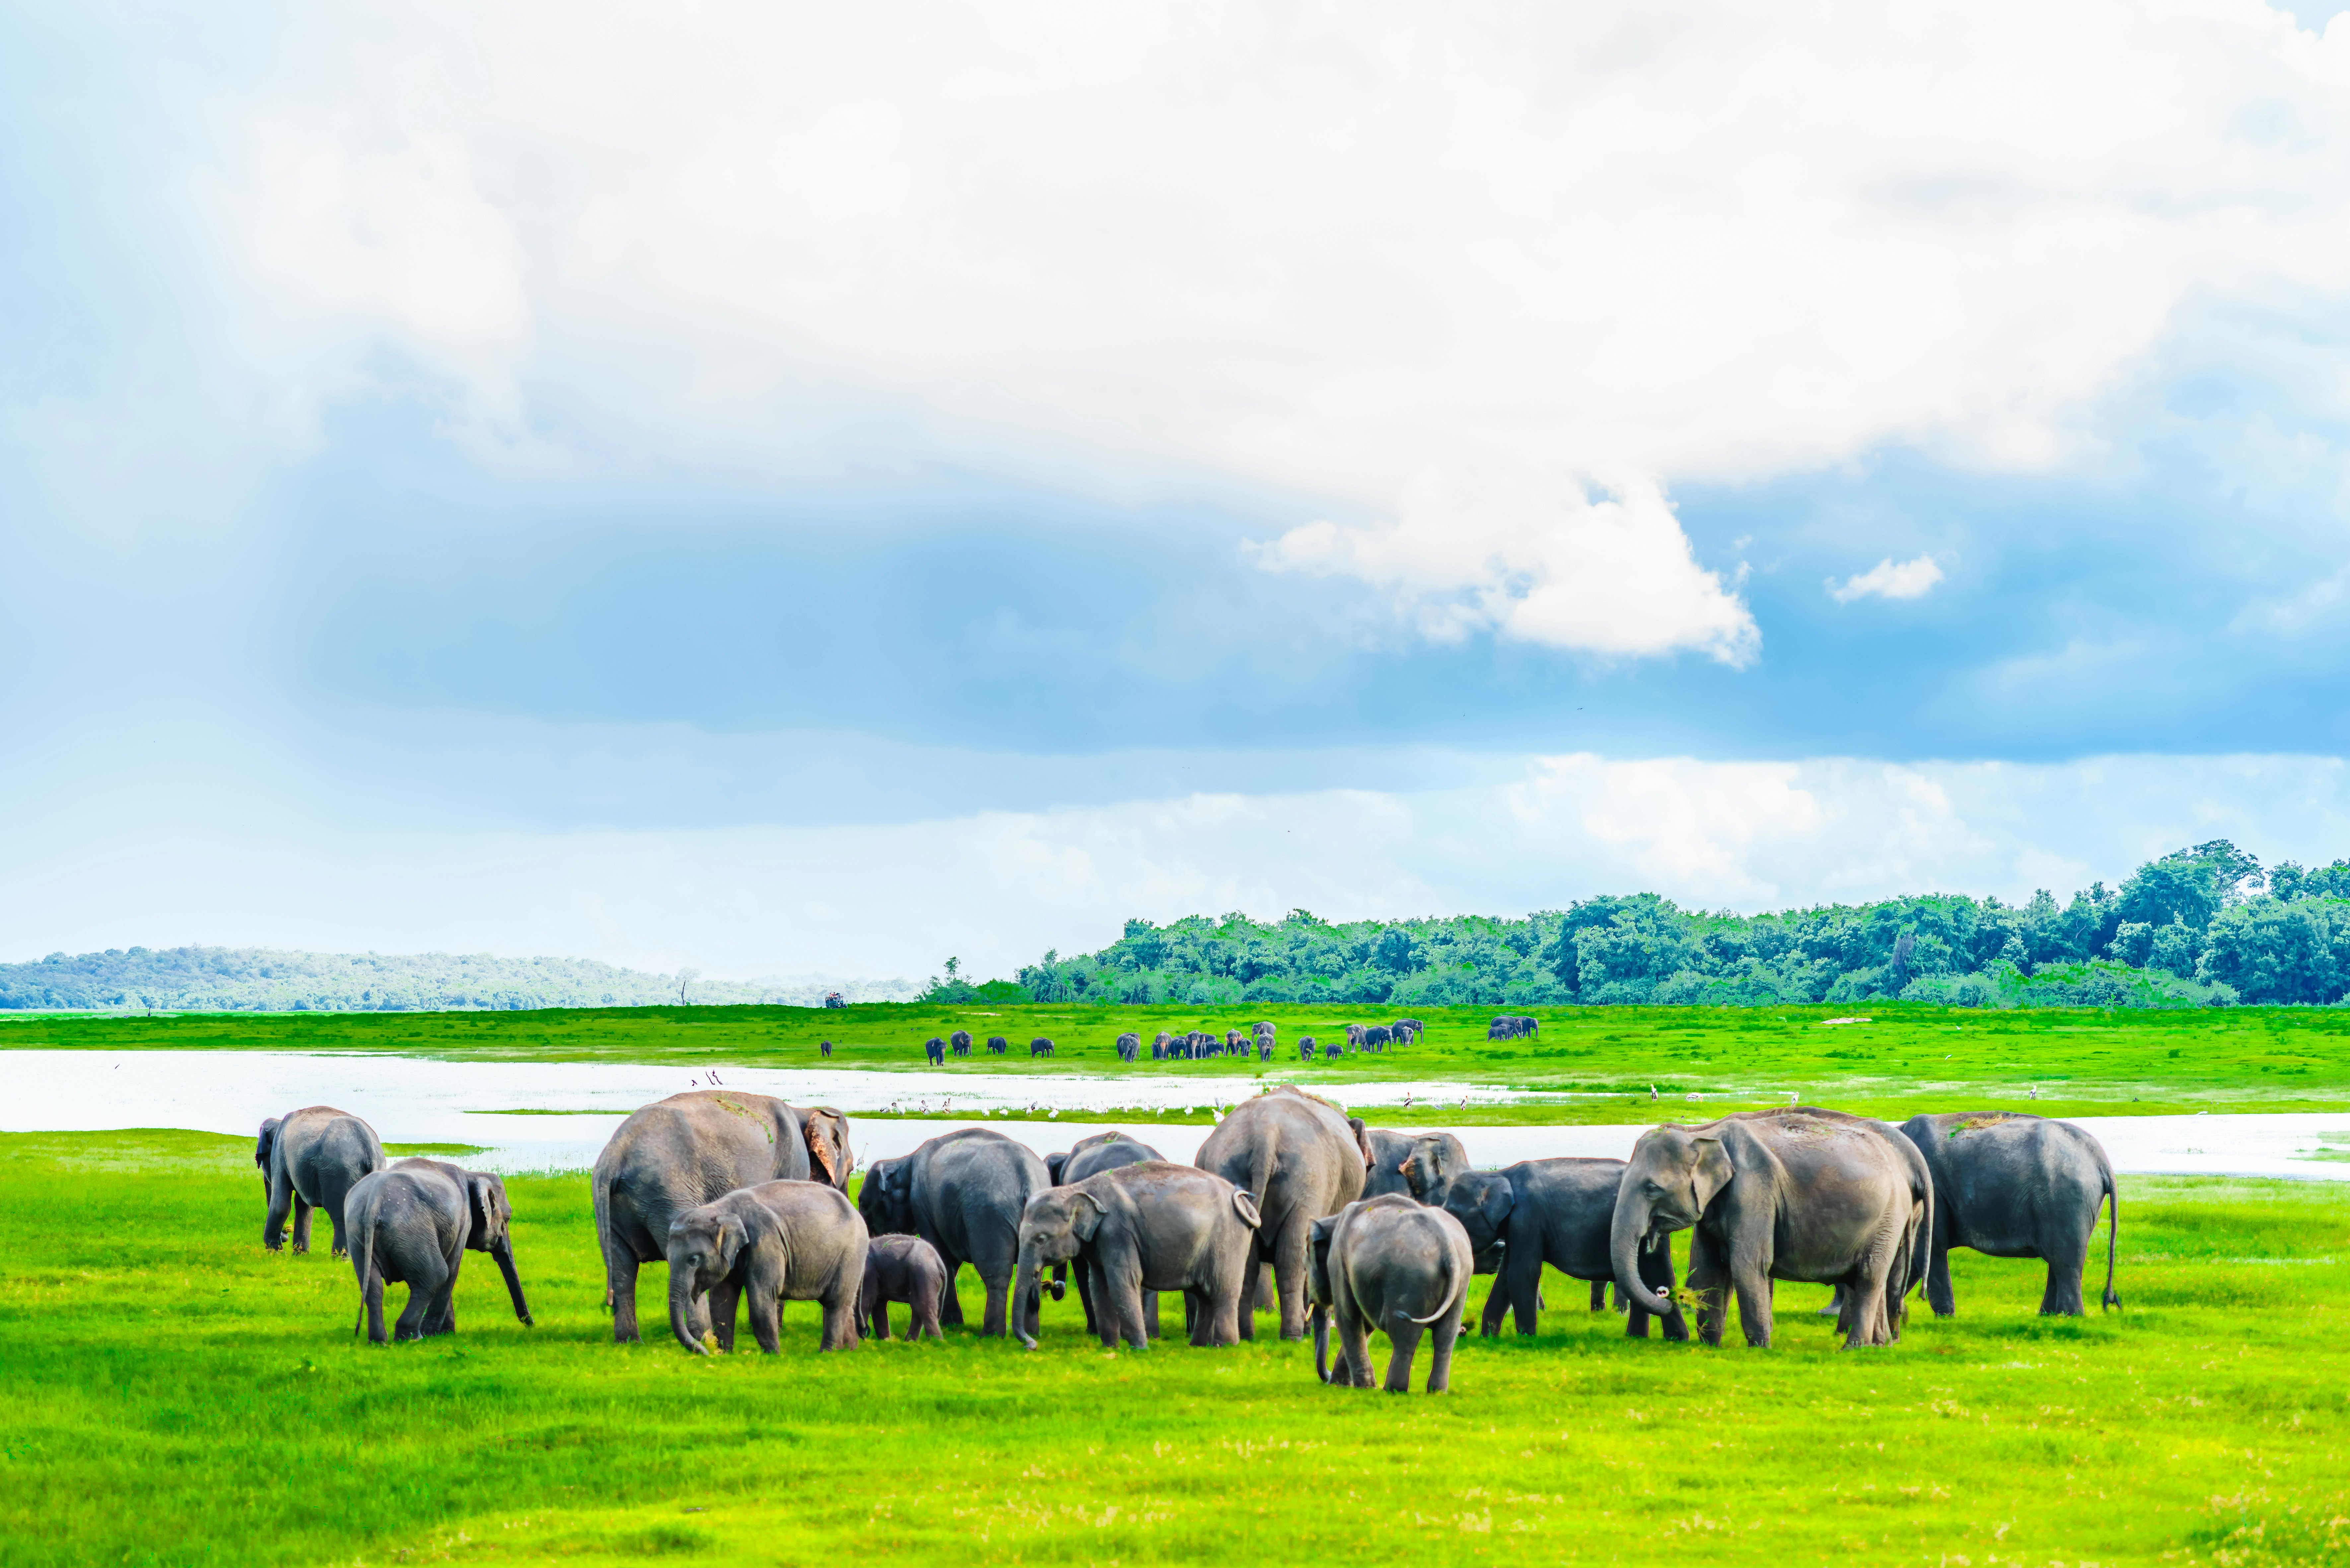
901	1269
1394	1264
1561	1212
413	1225
1150	1226
311	1158
777	1242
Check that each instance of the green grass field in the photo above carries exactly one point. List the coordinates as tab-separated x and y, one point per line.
174	1395
1607	1059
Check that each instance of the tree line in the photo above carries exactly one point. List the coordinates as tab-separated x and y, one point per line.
2205	926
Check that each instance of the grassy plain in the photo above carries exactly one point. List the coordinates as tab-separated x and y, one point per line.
174	1395
1587	1064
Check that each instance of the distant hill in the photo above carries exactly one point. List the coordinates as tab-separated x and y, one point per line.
266	979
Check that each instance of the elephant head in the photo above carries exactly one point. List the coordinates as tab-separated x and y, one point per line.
1675	1172
489	1231
1481	1200
829	1160
1053	1163
1427	1168
1054	1228
1320	1300
265	1147
705	1246
886	1201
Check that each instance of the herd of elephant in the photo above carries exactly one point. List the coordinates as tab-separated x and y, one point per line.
1364	1229
1200	1045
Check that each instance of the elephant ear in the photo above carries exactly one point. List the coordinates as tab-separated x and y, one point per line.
1086	1213
268	1141
1244	1205
482	1193
819	1149
1711	1169
1363	1142
1495	1206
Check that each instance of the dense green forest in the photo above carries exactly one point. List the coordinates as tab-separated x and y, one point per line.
272	981
2203	926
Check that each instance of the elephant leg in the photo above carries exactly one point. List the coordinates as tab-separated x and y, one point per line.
2062	1295
877	1316
1937	1267
336	1247
1754	1301
949	1303
1086	1297
1497	1306
725	1300
1656	1273
281	1203
1403	1337
839	1320
620	1281
373	1297
301	1224
1150	1316
426	1281
1289	1272
923	1316
1835	1308
1599	1295
1439	1364
1707	1277
1122	1306
442	1317
766	1316
1354	1340
1521	1274
999	1292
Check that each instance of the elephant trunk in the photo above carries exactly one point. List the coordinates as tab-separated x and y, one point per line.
1023	1287
680	1308
1629	1229
503	1252
1322	1342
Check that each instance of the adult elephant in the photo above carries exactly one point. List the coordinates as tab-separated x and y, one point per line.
311	1158
694	1148
962	1192
2015	1186
1793	1194
1300	1160
1556	1211
1091	1156
1140	1228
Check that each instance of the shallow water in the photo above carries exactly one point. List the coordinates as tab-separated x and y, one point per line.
417	1100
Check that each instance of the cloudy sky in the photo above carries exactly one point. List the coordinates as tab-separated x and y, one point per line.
810	490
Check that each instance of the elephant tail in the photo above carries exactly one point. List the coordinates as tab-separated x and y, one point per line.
2112	1228
362	1254
1457	1287
600	1190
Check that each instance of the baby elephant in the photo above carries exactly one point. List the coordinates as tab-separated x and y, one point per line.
901	1269
412	1223
1150	1226
777	1242
1388	1263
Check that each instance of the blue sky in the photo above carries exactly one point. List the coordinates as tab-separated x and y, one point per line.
802	493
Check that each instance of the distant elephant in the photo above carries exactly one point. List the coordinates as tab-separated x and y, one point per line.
823	1047
1355	1036
1408	1030
997	1044
1040	1046
1129	1046
1414	1164
962	1192
1303	1160
1376	1037
693	1149
774	1243
1148	1227
935	1049
1306	1048
2016	1186
1511	1026
1333	1051
1793	1194
311	1158
960	1042
901	1269
1389	1263
411	1223
1159	1046
1556	1211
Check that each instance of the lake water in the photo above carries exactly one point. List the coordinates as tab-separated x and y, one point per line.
415	1100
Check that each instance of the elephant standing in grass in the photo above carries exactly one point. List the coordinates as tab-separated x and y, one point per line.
1303	1160
777	1241
964	1193
1394	1264
1795	1194
412	1223
901	1269
2016	1186
311	1158
694	1148
1556	1211
1148	1227
1092	1156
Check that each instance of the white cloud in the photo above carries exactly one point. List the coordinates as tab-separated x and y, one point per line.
1324	250
1889	579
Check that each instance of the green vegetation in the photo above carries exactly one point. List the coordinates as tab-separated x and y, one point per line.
1586	1064
176	1395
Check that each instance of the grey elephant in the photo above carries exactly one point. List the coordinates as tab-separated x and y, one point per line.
934	1051
1561	1212
690	1149
1129	1045
1794	1194
1301	1159
1091	1155
997	1044
1151	1226
412	1223
311	1158
962	1192
771	1243
1393	1264
1416	1165
2015	1186
901	1269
